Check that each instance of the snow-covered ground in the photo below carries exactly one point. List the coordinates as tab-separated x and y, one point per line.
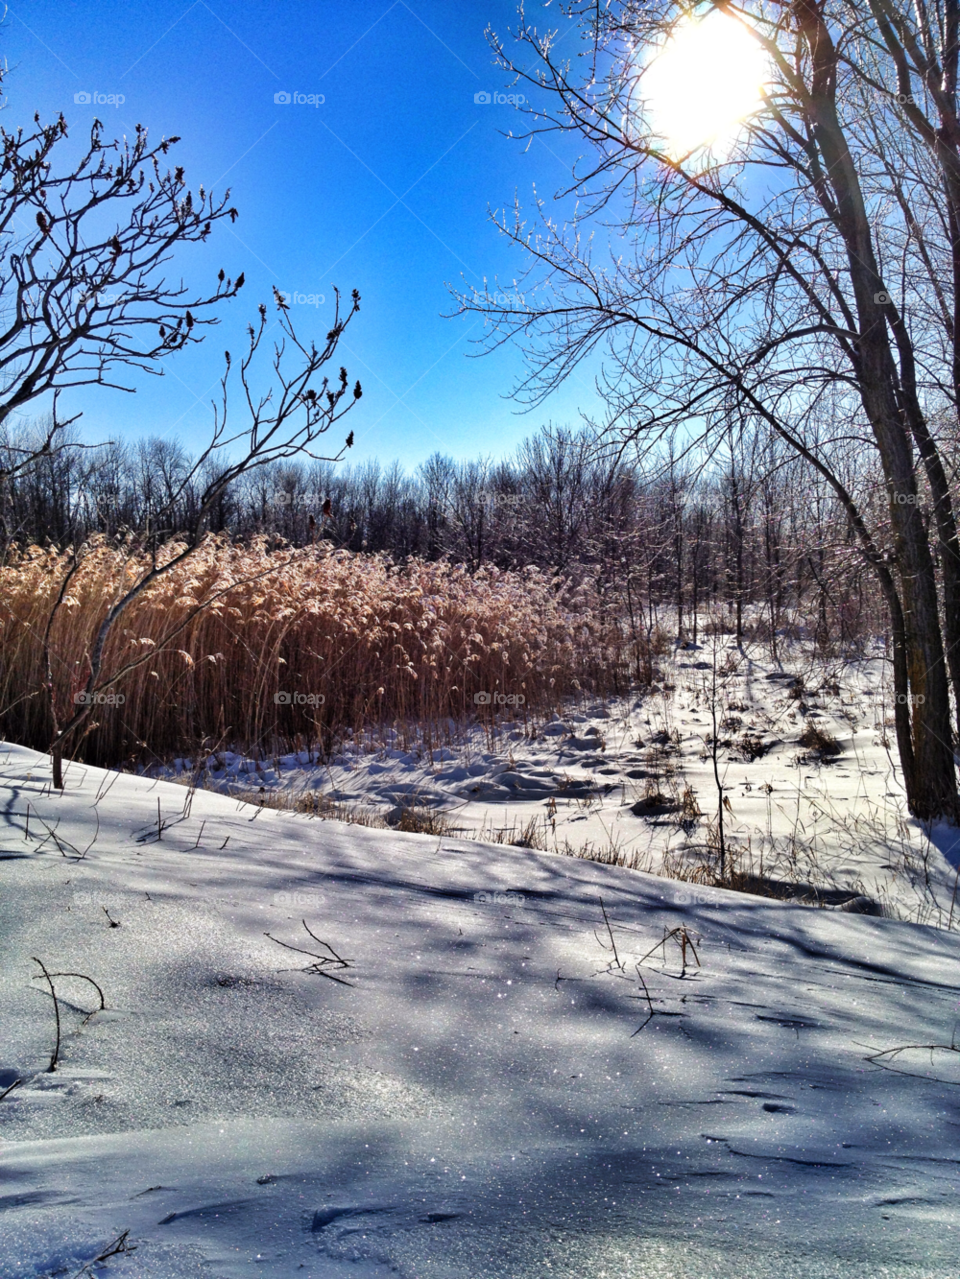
608	781
481	1090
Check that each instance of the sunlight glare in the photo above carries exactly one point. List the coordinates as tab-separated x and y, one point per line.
708	77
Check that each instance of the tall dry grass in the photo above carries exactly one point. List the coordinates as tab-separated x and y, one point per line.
380	643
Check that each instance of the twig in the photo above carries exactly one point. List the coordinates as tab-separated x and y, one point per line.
659	945
82	977
298	949
321	972
188	803
321	962
343	962
113	1249
683	940
106	787
893	1052
200	835
613	944
56	1010
96	834
651	1013
52	834
10	1087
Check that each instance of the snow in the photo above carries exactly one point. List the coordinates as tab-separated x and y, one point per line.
837	825
517	1112
479	1100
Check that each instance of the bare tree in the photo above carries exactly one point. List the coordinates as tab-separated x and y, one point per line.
287	420
807	281
82	247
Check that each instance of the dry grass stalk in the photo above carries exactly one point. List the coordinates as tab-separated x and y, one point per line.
351	640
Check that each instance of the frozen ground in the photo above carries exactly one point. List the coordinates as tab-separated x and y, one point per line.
488	1095
608	781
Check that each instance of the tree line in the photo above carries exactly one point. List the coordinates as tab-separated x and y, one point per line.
671	536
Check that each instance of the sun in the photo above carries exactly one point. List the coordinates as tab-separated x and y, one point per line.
703	83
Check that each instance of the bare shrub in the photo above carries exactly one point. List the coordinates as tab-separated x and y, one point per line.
819	742
718	625
690	811
752	747
653	802
422	821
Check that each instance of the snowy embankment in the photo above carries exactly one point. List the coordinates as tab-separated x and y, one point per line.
481	1089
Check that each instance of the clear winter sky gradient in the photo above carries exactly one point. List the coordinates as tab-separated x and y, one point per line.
386	188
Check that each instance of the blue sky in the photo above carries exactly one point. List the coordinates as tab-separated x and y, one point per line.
385	187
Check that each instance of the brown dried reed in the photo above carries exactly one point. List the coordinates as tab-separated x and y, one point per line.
380	643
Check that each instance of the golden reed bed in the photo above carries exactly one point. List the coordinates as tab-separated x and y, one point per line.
302	646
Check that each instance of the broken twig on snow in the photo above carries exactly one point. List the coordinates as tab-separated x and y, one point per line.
55	1055
10	1087
56	1011
321	962
113	1249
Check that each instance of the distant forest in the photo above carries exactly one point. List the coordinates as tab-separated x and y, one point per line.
749	527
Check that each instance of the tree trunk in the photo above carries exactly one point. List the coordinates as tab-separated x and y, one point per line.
931	779
934	791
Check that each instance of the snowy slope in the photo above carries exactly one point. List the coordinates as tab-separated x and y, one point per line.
475	1102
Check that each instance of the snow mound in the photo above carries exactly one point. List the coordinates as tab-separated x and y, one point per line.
448	1058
